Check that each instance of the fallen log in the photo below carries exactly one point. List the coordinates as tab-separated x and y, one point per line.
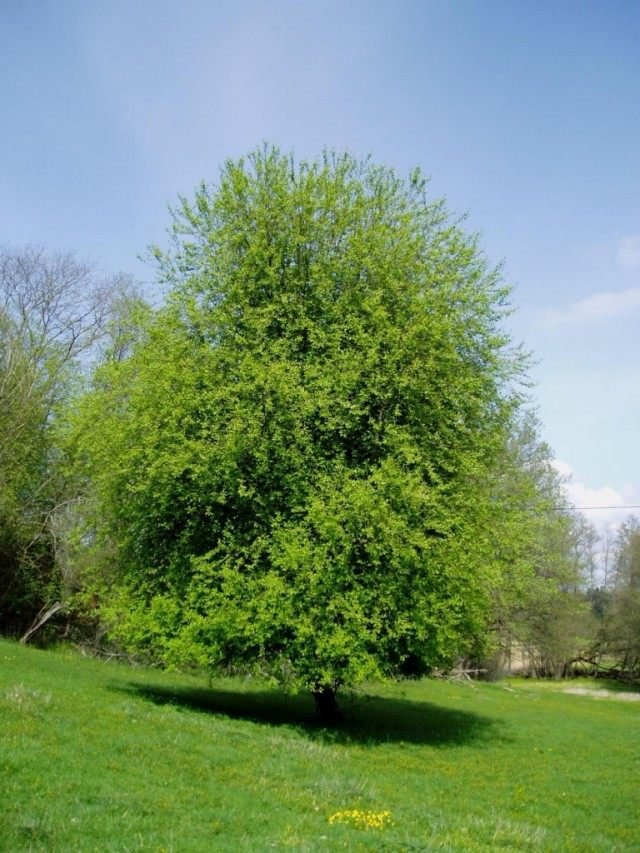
41	619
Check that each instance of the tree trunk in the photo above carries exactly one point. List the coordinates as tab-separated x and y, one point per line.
41	619
327	707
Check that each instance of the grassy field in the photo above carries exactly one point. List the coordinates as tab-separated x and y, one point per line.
100	756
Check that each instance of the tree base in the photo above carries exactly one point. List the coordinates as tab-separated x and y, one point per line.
327	706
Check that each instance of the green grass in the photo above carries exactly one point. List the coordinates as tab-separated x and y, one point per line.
100	756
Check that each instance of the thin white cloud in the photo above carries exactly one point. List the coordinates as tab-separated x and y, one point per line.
628	252
604	506
562	468
596	308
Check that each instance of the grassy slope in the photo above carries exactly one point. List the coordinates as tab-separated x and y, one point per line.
97	756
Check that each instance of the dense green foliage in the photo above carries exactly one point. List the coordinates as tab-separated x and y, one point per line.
41	334
99	756
26	552
311	461
290	471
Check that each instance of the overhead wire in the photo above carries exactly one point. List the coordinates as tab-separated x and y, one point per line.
613	506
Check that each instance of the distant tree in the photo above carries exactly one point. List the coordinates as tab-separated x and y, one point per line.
608	537
289	468
600	600
585	543
623	625
54	310
541	609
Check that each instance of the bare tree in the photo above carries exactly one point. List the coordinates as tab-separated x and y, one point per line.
55	304
608	540
56	312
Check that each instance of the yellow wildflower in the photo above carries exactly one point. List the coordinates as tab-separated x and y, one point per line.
362	819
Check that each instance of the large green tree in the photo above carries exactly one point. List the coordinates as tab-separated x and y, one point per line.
289	471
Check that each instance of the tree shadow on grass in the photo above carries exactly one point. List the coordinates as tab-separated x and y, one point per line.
368	719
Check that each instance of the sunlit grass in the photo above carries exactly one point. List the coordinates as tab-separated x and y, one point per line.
99	756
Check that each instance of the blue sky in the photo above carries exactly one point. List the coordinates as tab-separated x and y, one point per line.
526	116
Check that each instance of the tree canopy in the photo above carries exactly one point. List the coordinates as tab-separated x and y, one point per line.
289	471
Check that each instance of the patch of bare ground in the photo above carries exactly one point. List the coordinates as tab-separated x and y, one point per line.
599	693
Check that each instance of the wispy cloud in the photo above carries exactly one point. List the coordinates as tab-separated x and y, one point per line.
597	308
603	506
628	252
605	305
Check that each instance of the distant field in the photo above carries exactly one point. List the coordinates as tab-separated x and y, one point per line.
97	756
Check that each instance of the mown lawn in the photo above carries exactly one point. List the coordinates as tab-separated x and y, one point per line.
100	756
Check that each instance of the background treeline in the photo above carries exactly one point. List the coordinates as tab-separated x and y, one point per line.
58	319
564	598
